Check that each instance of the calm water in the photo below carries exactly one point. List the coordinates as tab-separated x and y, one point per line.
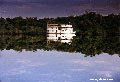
54	66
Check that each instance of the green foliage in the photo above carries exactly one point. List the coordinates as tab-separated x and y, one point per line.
95	34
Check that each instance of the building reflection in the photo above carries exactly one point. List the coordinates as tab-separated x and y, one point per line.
60	32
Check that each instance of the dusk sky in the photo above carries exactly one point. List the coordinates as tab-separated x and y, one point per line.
54	66
55	8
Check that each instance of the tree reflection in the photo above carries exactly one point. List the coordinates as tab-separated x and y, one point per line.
95	34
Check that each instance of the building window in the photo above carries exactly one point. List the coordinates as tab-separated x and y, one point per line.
66	39
59	38
47	35
59	28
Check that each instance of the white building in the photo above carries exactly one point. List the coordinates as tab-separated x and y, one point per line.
60	32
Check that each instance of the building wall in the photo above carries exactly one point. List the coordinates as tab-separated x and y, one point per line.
61	36
63	33
61	30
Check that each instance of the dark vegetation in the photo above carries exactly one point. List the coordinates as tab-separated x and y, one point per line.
95	34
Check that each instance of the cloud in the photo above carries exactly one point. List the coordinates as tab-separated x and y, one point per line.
77	70
16	71
115	69
102	62
66	75
28	63
37	64
105	73
82	62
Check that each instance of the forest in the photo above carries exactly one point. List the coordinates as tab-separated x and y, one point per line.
95	34
91	21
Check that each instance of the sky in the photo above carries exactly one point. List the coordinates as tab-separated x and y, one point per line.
56	8
54	66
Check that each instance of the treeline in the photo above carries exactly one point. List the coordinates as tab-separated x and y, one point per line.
95	34
19	25
89	21
20	42
90	47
